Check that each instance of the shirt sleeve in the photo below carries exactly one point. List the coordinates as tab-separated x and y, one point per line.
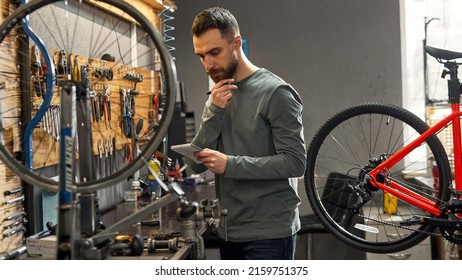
284	115
209	131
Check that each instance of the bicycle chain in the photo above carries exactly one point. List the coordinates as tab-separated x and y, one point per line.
400	226
442	231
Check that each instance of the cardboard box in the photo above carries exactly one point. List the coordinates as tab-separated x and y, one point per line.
42	245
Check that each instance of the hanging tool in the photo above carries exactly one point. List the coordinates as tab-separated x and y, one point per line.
14	232
151	128
106	157
114	146
106	109
154	108
14	254
63	63
126	113
48	121
56	111
76	70
133	93
15	200
55	120
127	152
15	224
94	105
70	68
107	93
37	73
84	76
111	156
56	64
52	127
139	127
100	158
14	191
100	104
15	216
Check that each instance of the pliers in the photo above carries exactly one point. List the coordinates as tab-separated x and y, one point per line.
128	152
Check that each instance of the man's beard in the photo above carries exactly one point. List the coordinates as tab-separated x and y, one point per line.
220	74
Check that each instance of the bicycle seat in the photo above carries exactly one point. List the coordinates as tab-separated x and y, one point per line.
442	54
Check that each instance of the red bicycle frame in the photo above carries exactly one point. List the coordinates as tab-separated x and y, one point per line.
406	194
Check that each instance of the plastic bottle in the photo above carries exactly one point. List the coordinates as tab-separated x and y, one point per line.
136	189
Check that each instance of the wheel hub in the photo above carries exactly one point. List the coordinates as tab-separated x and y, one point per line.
373	163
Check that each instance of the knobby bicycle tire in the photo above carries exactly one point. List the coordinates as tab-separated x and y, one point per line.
57	23
345	148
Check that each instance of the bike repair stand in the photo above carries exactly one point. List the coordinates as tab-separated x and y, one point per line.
68	227
90	216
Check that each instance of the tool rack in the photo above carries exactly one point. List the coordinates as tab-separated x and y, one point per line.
142	89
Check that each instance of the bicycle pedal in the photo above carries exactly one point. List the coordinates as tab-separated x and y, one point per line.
416	220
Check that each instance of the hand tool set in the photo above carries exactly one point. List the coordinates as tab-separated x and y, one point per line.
115	138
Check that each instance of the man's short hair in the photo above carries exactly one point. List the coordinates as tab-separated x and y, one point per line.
218	18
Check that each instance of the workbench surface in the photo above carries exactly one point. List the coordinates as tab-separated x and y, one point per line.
169	225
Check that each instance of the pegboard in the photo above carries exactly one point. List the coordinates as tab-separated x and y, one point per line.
45	144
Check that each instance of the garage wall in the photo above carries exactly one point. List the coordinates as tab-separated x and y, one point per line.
334	52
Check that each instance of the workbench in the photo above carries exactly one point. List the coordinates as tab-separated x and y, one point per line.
169	225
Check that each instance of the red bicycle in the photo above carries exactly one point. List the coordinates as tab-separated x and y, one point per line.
368	153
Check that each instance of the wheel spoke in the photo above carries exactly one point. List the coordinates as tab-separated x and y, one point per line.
345	149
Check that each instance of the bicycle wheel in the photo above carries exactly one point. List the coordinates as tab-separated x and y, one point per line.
126	82
342	152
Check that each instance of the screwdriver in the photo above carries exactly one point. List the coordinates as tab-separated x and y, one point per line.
139	126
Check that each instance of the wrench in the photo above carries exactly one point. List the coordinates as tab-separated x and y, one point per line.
106	154
108	93
37	74
15	224
14	200
100	159
15	215
56	121
45	122
12	255
49	122
114	147
13	232
10	192
63	62
111	155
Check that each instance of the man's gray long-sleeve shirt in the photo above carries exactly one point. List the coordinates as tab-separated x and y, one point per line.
261	132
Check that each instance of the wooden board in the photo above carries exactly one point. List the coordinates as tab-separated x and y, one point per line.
45	146
9	98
